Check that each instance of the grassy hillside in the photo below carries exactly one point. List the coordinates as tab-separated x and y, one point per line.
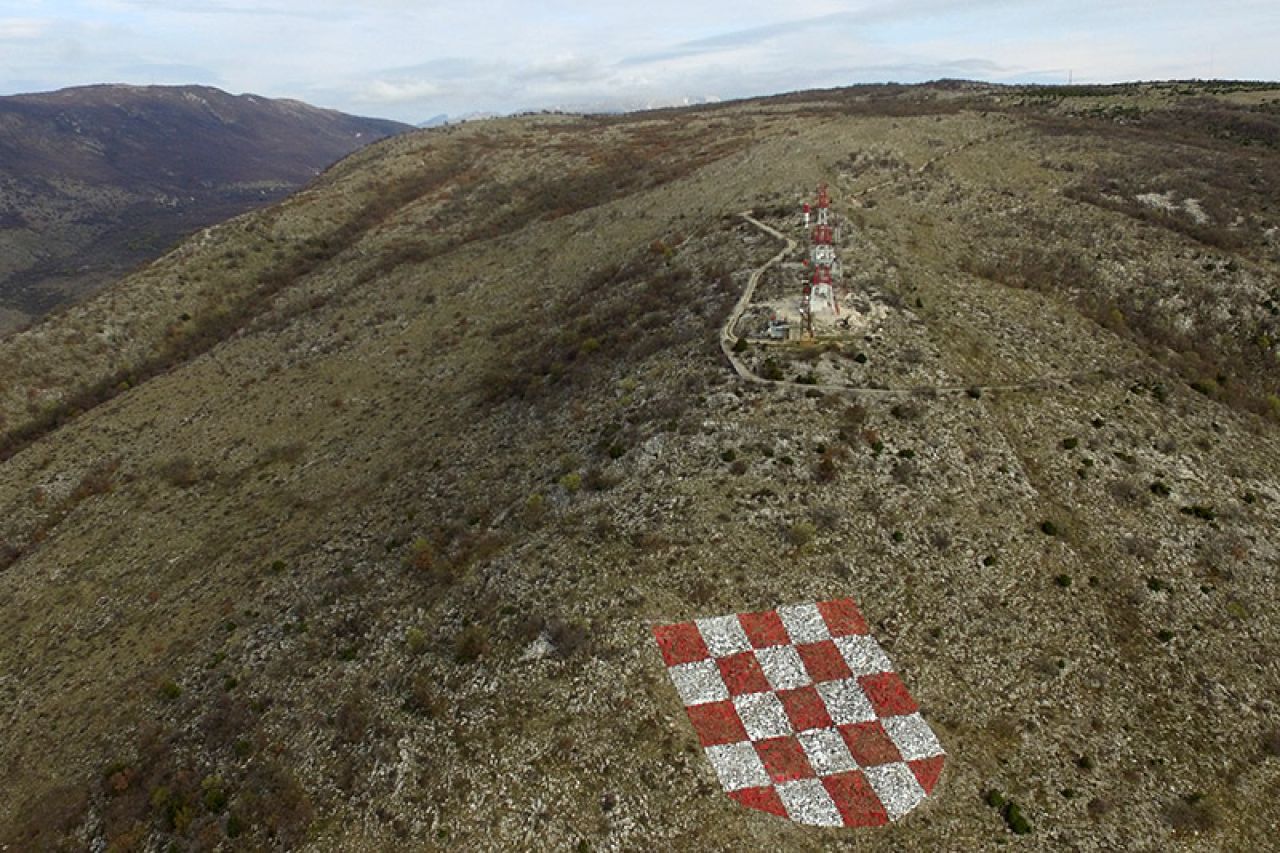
343	526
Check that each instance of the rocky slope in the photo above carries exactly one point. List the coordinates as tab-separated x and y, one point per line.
343	526
96	180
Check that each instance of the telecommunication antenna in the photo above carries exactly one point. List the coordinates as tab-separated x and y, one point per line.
819	283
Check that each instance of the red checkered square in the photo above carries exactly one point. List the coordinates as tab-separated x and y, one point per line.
843	617
681	643
761	799
742	674
888	694
765	629
824	662
769	685
716	723
856	800
805	709
784	759
869	744
928	771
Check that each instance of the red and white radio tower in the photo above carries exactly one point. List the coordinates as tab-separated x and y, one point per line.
820	283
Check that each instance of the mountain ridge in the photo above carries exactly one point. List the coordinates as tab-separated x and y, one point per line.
96	180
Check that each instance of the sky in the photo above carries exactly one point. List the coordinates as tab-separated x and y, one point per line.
413	61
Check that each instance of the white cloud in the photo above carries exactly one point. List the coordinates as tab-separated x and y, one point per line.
399	91
414	58
17	29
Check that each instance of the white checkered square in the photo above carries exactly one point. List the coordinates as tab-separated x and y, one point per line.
782	696
783	667
896	786
808	802
826	751
913	737
846	702
738	766
804	623
723	635
762	715
699	682
863	654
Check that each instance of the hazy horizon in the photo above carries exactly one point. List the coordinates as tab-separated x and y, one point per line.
412	61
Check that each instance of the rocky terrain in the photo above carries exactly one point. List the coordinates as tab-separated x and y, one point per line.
95	181
344	525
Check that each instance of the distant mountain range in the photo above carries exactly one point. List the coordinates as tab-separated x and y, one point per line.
96	180
613	106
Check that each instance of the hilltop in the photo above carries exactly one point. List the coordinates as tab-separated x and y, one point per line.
344	525
96	180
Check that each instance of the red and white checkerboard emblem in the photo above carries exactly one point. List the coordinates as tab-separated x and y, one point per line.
801	714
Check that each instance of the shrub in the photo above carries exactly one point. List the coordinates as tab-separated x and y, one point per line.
180	471
905	472
825	471
9	554
422	557
535	510
471	644
801	533
272	798
352	719
98	480
416	640
423	698
740	345
1125	491
289	452
1015	820
1048	528
168	690
567	636
597	480
213	794
1191	813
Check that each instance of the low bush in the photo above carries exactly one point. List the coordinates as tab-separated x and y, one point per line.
471	644
801	533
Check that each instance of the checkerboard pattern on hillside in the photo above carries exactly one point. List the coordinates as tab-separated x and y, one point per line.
801	714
